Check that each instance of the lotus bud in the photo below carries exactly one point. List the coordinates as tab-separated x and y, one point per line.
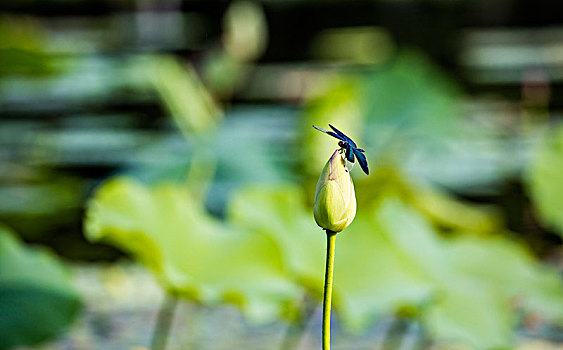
335	199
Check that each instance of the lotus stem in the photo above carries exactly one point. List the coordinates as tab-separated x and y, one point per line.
327	296
164	322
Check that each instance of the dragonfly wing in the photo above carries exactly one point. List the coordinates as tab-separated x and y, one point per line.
362	160
344	137
349	154
330	133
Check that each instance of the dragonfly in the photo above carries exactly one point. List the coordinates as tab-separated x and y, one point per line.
346	144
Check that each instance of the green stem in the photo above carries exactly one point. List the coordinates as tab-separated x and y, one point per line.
327	296
163	322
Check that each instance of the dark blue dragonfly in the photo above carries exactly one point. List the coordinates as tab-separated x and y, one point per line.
346	143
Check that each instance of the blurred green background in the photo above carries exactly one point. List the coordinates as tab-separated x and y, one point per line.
158	169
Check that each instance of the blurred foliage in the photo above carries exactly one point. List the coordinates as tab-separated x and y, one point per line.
452	214
408	114
392	110
181	91
356	45
410	96
37	300
23	50
545	182
36	203
392	259
245	30
244	40
193	254
223	73
339	104
413	250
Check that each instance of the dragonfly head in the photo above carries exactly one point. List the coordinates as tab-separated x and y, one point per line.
342	144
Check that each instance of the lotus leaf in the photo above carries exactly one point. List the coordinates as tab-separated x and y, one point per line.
37	300
193	254
394	259
545	182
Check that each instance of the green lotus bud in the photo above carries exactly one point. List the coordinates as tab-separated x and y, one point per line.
335	199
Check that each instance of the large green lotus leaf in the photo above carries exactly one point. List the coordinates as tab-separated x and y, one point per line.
463	309
415	238
193	254
508	269
486	272
442	209
394	259
409	94
279	212
448	212
471	315
545	182
370	277
37	300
